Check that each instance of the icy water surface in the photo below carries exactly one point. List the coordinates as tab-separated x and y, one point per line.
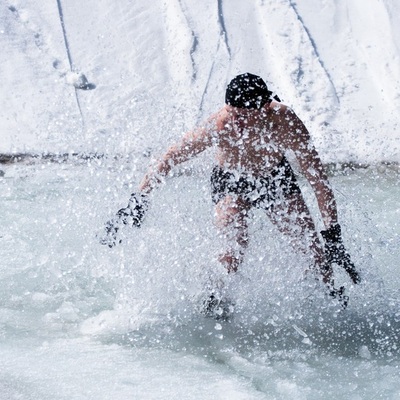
81	321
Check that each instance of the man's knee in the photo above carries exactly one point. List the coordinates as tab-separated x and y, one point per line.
231	210
231	259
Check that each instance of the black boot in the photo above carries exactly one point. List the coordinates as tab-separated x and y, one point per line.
217	307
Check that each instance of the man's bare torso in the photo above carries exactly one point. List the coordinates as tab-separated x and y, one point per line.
248	141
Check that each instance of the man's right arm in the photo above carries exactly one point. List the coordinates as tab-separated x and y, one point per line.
193	143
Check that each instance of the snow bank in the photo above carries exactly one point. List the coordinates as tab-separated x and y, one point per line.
159	67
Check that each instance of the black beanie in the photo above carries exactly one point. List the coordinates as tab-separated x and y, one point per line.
247	91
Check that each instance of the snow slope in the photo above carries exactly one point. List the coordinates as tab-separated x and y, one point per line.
160	67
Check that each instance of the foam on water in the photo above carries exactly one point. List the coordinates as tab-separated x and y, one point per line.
79	320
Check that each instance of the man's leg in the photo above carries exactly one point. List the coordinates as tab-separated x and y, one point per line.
231	220
293	218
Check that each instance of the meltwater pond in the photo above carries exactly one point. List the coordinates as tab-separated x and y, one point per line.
81	321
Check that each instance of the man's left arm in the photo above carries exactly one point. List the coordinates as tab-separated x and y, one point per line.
299	142
311	166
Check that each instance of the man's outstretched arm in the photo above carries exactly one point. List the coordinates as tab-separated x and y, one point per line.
193	143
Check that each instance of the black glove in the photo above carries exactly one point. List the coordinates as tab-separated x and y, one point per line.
336	253
133	214
339	295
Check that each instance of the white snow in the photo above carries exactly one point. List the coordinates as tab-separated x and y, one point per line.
160	67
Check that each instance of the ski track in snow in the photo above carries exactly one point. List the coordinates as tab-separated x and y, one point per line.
223	30
206	77
314	46
69	56
39	41
195	40
32	70
63	28
292	53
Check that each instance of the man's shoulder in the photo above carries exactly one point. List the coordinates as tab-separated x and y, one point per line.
280	113
219	119
277	108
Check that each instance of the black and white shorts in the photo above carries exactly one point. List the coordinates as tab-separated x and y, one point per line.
260	192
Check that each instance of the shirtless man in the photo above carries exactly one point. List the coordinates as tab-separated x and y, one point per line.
251	135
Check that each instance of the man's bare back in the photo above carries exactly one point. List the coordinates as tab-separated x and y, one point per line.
252	141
